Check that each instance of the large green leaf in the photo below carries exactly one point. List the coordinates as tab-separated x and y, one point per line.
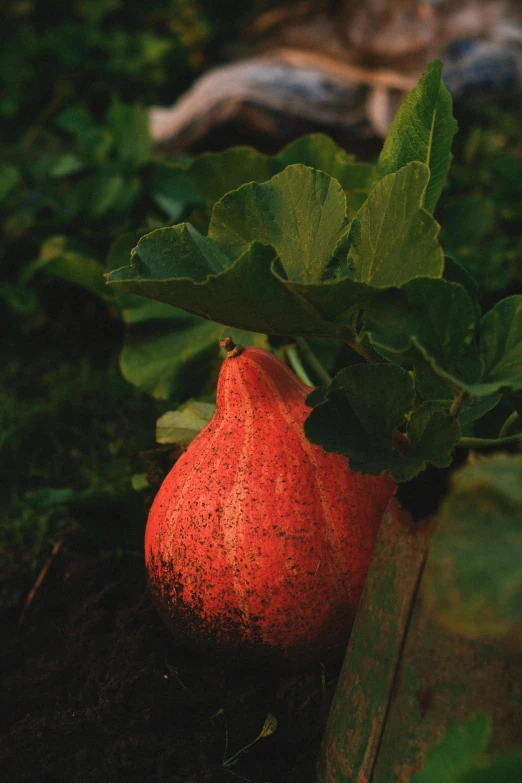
167	361
213	174
437	316
473	580
300	212
500	342
269	262
358	416
363	406
231	278
252	293
393	239
167	352
422	130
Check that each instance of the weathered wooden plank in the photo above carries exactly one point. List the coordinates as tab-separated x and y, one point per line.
444	678
361	700
405	680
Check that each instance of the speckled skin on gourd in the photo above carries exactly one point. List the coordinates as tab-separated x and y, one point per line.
258	542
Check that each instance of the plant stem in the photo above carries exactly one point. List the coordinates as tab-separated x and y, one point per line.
487	443
297	365
508	424
309	356
372	357
457	403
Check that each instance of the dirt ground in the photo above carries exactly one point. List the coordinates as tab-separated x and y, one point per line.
97	690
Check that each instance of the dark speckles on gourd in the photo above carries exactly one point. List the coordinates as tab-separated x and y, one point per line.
258	542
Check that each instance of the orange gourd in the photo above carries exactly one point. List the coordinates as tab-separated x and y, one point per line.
258	542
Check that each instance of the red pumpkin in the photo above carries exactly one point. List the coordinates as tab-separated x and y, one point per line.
258	542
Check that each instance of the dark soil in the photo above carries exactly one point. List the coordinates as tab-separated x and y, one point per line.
95	689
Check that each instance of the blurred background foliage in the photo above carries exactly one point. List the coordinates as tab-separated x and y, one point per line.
481	208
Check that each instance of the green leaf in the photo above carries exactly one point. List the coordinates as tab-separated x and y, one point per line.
300	212
474	408
170	359
66	165
456	273
422	130
137	309
436	316
233	276
433	434
359	412
9	178
140	482
173	190
194	256
171	354
95	144
457	753
501	344
473	578
62	257
364	405
393	239
213	174
269	726
229	278
321	152
75	119
500	338
130	126
182	426
100	192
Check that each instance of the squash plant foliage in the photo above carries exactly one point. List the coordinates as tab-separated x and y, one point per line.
310	243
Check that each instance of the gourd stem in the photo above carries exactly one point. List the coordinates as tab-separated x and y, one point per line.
309	356
231	348
297	365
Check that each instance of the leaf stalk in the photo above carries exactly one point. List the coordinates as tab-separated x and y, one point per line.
487	443
457	403
508	424
310	357
297	365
